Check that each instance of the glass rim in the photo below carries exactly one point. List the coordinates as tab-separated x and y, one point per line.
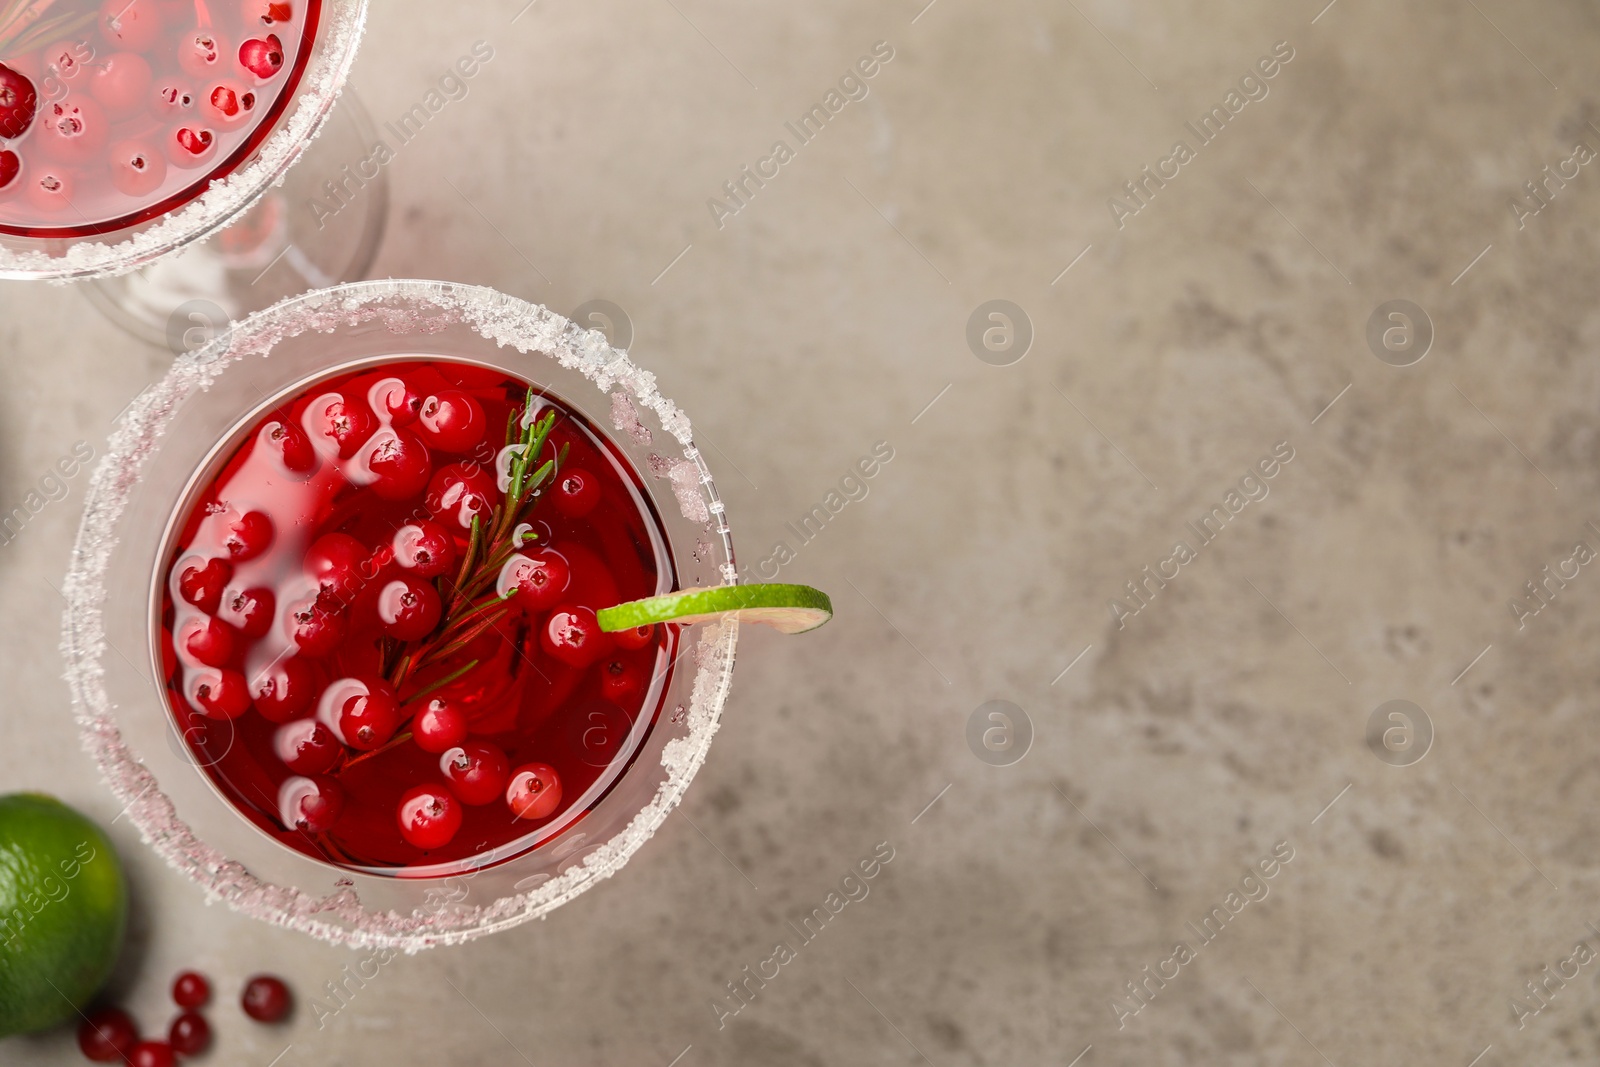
224	199
508	323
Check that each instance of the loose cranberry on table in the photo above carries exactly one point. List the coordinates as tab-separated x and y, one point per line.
189	1034
190	990
107	1035
152	1054
266	999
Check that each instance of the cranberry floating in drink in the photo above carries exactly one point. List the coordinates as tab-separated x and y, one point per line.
394	606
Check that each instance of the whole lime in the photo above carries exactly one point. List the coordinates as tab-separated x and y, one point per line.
63	909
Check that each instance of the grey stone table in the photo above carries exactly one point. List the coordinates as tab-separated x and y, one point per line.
1198	213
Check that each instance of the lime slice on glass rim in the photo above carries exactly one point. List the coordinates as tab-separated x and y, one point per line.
790	609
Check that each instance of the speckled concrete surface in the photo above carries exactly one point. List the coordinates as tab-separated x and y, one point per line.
1174	749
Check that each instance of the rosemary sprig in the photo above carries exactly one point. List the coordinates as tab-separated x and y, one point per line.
23	26
472	604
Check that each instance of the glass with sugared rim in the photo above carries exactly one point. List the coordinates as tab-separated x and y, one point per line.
321	449
133	128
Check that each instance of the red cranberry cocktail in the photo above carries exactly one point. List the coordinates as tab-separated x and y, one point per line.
377	626
113	113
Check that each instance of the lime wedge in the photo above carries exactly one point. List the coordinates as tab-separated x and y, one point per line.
791	609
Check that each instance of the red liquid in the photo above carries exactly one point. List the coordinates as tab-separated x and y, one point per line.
580	710
113	113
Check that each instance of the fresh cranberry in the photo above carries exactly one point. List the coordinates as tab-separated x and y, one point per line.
310	804
457	492
200	54
121	83
248	610
408	608
207	641
219	694
620	682
74	130
338	563
306	747
201	582
131	24
18	103
477	772
189	1034
576	493
401	462
284	689
248	536
398	400
266	999
191	990
440	726
290	445
574	637
534	791
137	169
317	631
107	1035
267	12
635	638
263	58
538	579
424	548
369	715
451	421
152	1054
228	105
51	193
429	816
10	167
191	146
338	424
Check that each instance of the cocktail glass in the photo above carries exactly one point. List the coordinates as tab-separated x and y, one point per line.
171	139
171	438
